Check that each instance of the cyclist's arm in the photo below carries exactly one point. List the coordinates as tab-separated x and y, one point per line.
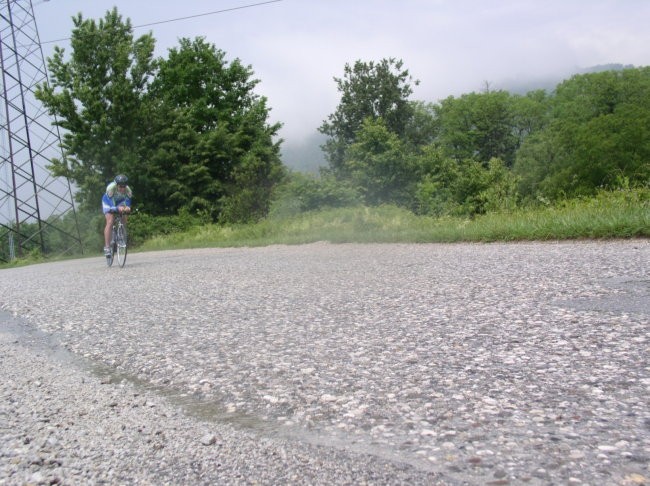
127	199
127	203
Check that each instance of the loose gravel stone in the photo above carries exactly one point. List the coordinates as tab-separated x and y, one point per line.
330	364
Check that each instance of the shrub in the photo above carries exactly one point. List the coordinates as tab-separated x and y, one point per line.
143	226
302	193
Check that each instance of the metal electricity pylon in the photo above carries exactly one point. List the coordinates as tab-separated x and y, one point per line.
36	208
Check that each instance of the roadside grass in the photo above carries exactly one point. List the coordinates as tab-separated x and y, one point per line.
620	214
608	215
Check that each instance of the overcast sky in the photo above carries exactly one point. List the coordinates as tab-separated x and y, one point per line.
296	47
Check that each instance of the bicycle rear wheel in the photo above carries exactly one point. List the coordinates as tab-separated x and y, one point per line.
120	244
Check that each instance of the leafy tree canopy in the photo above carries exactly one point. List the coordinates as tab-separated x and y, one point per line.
598	135
487	125
368	90
487	151
97	97
380	165
220	146
189	130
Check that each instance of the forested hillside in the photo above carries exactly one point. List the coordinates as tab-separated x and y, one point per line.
479	152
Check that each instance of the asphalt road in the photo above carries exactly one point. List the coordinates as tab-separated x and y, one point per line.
450	364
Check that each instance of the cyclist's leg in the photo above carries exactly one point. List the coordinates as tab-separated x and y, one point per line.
108	229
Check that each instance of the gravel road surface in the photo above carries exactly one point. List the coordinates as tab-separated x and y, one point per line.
524	363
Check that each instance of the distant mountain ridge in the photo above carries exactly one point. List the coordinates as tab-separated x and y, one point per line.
549	84
606	67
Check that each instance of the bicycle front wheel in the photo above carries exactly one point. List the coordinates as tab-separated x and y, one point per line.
120	243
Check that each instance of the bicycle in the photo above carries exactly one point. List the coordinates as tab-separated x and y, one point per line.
118	244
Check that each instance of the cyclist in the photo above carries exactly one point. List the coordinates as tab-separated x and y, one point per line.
116	199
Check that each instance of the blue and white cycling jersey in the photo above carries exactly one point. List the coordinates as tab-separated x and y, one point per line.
113	198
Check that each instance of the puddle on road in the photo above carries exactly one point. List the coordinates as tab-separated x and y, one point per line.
215	412
33	338
193	405
40	341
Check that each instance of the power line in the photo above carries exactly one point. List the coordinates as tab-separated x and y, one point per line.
185	18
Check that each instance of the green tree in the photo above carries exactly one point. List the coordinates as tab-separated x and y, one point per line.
534	162
97	98
598	135
480	126
380	165
423	126
434	191
464	188
530	114
368	90
210	148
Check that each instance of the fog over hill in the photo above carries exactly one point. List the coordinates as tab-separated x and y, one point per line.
305	155
549	83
